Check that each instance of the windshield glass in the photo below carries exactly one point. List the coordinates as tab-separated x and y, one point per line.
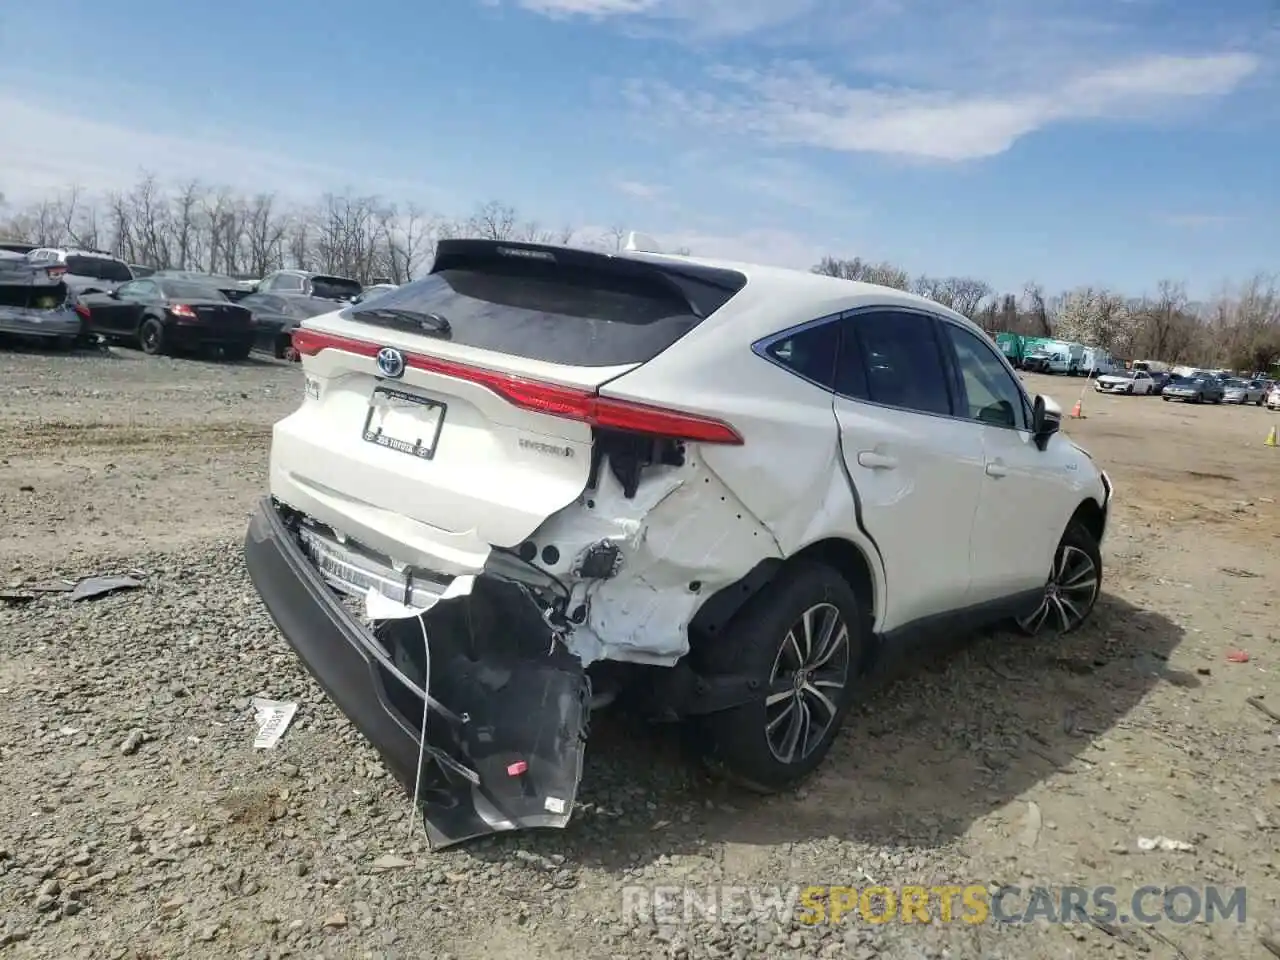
100	268
191	290
1234	383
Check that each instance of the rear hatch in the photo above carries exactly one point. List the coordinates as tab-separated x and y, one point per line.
467	400
28	287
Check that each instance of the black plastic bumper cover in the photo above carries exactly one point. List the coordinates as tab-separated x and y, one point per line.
504	752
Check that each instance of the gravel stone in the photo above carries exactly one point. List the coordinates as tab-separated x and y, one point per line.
137	821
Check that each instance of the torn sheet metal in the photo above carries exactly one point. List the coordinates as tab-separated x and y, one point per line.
91	588
273	718
680	539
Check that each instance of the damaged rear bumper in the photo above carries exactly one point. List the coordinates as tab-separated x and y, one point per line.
508	708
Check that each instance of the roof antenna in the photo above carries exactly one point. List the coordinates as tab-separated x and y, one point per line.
641	243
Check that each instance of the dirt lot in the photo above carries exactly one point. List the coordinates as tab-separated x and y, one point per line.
136	821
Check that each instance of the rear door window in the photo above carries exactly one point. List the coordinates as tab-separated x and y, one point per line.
892	357
566	307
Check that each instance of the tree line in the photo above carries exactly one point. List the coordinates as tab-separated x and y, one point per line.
1239	328
194	226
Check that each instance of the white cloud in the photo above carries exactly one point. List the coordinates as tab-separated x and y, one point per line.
795	105
588	8
46	150
697	18
640	190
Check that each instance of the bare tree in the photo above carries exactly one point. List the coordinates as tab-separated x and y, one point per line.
494	221
206	227
885	274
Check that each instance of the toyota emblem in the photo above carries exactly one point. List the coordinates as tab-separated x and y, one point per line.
390	362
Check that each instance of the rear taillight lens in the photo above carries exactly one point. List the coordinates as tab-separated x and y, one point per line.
82	310
182	311
542	397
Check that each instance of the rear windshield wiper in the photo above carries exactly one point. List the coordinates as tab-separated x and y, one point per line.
415	321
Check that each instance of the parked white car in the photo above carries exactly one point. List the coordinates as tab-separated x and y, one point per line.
1129	381
1273	398
720	492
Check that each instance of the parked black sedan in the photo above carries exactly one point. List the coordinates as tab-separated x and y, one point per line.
164	315
276	316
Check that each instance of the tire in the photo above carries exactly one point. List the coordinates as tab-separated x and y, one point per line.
151	337
1073	587
756	744
1199	398
1166	399
285	350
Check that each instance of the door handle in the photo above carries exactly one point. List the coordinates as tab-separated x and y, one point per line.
997	469
876	460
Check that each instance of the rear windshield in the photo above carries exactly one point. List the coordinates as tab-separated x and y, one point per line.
191	290
559	313
334	288
100	268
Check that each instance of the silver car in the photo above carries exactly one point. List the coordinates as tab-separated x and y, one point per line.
1238	390
35	302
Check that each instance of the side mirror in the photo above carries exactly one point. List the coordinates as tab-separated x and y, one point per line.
1046	419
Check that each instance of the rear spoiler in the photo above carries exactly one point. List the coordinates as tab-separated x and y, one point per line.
704	289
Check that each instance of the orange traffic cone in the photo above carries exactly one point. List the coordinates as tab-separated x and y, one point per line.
1077	412
1271	438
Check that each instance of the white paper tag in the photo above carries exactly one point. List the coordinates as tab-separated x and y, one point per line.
273	718
554	805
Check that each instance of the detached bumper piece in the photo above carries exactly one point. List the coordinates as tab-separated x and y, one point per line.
507	706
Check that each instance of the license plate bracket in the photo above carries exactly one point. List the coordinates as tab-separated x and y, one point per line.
404	422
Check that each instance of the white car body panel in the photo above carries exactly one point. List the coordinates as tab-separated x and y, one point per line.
504	475
919	478
1032	493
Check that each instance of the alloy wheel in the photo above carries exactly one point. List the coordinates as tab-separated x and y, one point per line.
807	683
1069	593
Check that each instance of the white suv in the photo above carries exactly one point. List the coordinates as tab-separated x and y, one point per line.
721	492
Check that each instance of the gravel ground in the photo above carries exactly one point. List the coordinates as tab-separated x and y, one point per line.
138	822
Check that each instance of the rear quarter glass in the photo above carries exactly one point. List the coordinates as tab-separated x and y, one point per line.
579	313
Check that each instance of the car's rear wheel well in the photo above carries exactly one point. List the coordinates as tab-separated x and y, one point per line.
851	563
834	552
1091	516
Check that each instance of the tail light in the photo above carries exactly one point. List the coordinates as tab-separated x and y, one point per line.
182	311
82	311
538	396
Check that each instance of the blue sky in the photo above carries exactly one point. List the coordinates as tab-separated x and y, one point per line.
1108	142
